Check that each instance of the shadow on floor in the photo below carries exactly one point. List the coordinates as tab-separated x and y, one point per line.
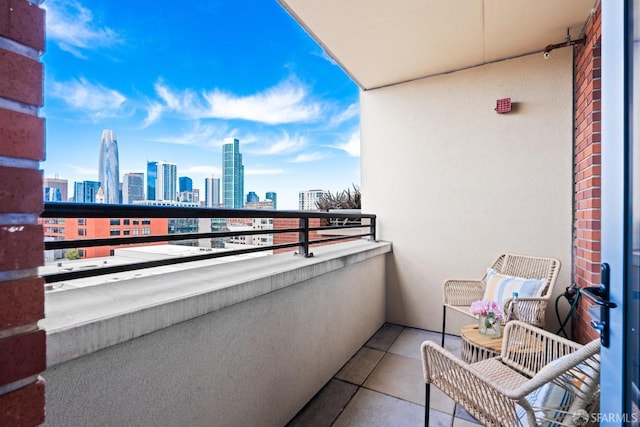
383	385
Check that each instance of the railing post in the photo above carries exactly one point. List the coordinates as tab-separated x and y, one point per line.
304	238
372	229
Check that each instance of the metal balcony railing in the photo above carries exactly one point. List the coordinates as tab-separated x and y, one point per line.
80	210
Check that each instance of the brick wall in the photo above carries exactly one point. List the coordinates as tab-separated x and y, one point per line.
22	343
587	173
283	238
100	228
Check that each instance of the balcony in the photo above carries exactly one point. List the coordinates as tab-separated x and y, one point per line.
199	342
452	184
303	338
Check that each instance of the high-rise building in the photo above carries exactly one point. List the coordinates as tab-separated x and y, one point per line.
187	197
52	194
161	181
252	197
273	197
232	174
132	187
85	191
185	184
108	170
212	192
307	199
54	184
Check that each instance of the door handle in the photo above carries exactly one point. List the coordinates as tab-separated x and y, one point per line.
594	294
600	296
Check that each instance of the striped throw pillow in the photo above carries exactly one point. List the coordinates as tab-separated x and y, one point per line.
500	287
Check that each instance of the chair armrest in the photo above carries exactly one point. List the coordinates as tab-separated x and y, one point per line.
570	371
527	348
484	399
577	373
532	310
462	292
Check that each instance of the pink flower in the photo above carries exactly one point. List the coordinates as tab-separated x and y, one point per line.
483	307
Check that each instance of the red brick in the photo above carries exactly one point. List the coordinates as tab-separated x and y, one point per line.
22	135
22	356
21	190
23	407
22	302
587	170
23	22
21	247
20	78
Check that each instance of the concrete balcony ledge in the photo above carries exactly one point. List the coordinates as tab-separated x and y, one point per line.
84	320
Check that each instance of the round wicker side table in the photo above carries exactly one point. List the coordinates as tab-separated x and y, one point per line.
477	347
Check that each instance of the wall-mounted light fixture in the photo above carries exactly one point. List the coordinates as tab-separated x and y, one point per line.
567	42
503	105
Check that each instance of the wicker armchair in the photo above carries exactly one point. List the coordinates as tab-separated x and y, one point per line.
507	390
459	294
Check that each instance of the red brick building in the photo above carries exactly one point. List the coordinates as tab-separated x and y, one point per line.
101	228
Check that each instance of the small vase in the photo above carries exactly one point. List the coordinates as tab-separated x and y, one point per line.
481	324
489	326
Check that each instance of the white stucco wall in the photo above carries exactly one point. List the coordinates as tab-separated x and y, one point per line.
254	363
454	184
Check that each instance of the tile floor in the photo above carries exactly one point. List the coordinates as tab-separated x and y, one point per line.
383	385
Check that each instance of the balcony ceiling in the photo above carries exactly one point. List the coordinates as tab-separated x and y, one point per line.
383	42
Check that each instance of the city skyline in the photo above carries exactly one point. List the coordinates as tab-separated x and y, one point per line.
214	71
164	180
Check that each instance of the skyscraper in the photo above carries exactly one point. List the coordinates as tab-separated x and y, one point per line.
185	184
307	199
85	191
132	187
232	174
108	170
273	197
54	184
52	194
161	181
252	197
211	192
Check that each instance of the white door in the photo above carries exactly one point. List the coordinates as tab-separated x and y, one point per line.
621	207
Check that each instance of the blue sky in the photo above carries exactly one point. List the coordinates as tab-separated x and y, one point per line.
174	79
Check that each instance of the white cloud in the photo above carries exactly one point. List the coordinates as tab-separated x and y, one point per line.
284	103
350	112
81	170
206	170
352	146
254	172
284	145
97	100
154	112
170	99
309	157
200	134
74	28
324	55
287	102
